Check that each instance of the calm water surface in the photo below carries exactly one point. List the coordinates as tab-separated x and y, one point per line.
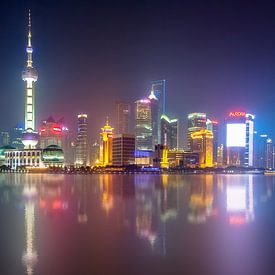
137	224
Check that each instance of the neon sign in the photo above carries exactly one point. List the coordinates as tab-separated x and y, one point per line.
237	114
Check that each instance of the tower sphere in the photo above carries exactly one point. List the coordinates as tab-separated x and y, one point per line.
30	74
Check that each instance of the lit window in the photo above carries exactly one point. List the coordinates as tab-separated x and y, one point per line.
29	100
29	92
29	116
29	108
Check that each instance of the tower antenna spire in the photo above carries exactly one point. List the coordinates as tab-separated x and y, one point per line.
29	48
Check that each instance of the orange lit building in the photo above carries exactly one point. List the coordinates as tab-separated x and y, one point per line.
202	143
106	144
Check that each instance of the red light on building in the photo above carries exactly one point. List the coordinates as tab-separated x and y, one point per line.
215	122
57	204
42	130
237	114
57	129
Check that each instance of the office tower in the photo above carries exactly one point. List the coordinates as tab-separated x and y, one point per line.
158	87
213	126
169	132
30	76
95	153
123	150
196	122
143	128
50	133
220	154
81	146
155	118
122	118
249	143
260	150
269	154
202	143
106	143
239	139
4	138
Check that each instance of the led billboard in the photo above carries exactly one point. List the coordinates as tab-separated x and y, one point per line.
235	134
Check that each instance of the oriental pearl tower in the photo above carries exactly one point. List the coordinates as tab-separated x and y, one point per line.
30	76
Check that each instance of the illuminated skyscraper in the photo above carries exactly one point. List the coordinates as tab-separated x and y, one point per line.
143	126
169	132
155	118
82	146
50	133
158	87
196	122
240	139
213	126
122	118
30	76
202	143
269	154
106	143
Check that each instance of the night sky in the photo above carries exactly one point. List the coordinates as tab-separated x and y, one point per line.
216	56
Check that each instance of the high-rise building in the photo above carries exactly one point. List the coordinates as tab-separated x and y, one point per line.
249	140
158	87
269	154
4	138
260	150
50	133
240	139
143	127
196	122
213	126
123	150
95	153
155	118
202	143
82	146
30	76
106	143
169	132
123	111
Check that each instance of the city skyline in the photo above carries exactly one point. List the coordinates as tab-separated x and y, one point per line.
59	104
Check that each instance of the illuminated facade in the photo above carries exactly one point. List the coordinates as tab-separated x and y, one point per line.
81	145
143	128
169	132
106	143
123	111
196	122
50	133
213	126
161	156
202	143
155	118
30	76
240	139
123	150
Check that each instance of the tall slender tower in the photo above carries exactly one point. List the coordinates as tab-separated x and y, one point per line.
30	76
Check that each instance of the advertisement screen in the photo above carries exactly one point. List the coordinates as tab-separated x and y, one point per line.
235	135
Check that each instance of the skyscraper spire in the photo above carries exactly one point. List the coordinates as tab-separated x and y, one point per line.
29	48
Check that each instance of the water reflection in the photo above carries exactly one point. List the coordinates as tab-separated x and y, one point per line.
123	213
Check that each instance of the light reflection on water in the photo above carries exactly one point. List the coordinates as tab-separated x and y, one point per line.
138	224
